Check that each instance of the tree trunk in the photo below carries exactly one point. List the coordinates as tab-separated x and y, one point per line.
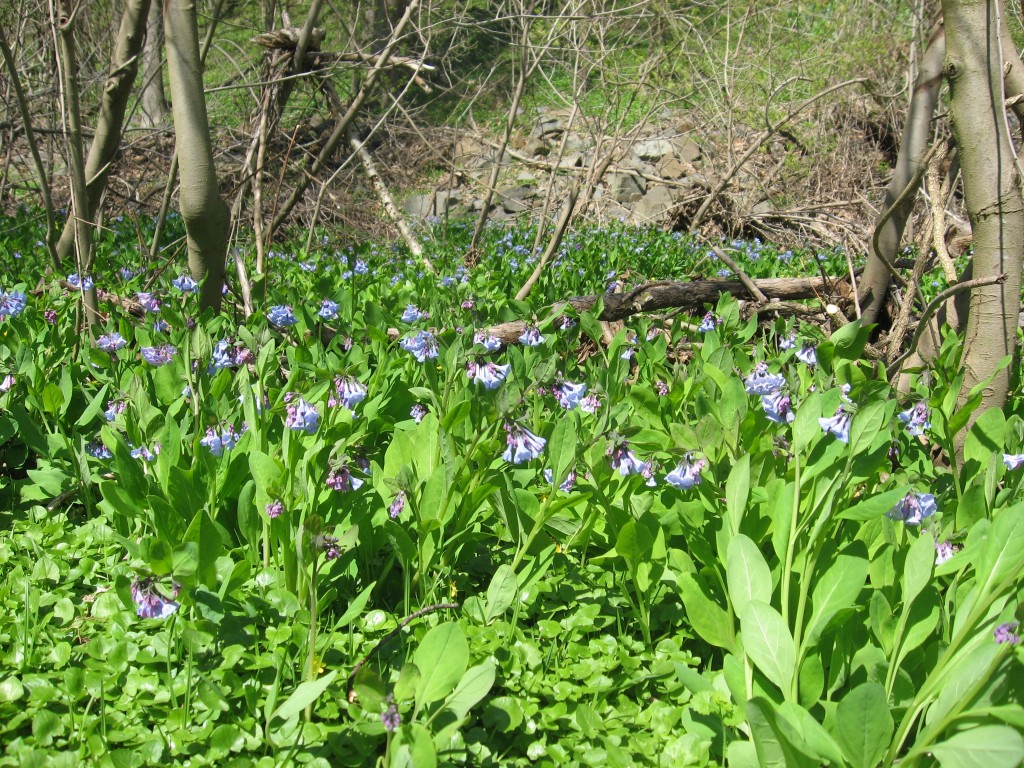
974	67
114	103
204	213
154	101
874	285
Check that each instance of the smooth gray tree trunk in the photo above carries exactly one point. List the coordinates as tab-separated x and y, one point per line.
202	210
154	100
974	68
874	285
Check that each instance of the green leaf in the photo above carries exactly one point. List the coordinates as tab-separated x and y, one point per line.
917	570
737	490
748	575
304	695
866	425
415	748
1003	553
562	448
772	737
708	619
987	746
863	725
501	592
873	507
836	590
442	658
472	688
768	643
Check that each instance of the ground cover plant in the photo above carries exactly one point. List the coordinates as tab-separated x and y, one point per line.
354	529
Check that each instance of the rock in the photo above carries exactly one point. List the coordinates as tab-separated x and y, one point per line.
686	149
470	153
537	147
549	126
652	150
654	207
625	187
445	200
419	206
516	199
672	167
762	208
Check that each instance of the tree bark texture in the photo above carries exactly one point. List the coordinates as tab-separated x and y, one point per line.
874	285
202	210
154	100
113	105
974	67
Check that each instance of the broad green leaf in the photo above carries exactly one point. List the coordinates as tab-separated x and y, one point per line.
813	738
836	590
501	592
917	570
772	737
866	425
708	619
748	575
1003	554
737	490
472	688
873	507
442	658
863	725
768	643
562	448
986	438
987	746
304	695
415	748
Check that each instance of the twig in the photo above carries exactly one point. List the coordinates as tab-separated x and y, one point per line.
933	305
401	625
751	286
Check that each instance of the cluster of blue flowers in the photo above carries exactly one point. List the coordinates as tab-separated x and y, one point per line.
12	304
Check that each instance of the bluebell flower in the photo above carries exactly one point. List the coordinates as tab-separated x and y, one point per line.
111	342
523	445
807	354
567	394
149	302
161	326
760	382
778	408
590	403
274	509
347	392
301	416
531	337
80	283
360	267
341	479
914	508
282	316
447	281
686	474
788	342
421	345
218	442
127	273
489	342
185	284
144	453
417	412
412	314
838	425
160	355
489	374
12	304
624	460
149	602
1013	460
328	309
786	256
223	357
628	353
98	450
944	551
397	505
1006	634
567	484
709	323
724	272
114	408
916	419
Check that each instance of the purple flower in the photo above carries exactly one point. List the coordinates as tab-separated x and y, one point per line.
328	309
567	484
489	342
185	284
11	304
342	479
281	316
778	408
916	419
624	460
274	509
838	425
1005	633
489	374
531	337
1013	460
417	412
218	442
150	603
468	304
590	403
50	316
158	356
628	353
349	392
80	283
98	450
567	394
149	302
223	357
114	407
161	326
412	314
566	323
111	342
913	508
789	342
391	718
6	384
421	345
944	551
760	382
397	505
661	388
709	323
807	354
126	273
686	474
301	416
523	445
